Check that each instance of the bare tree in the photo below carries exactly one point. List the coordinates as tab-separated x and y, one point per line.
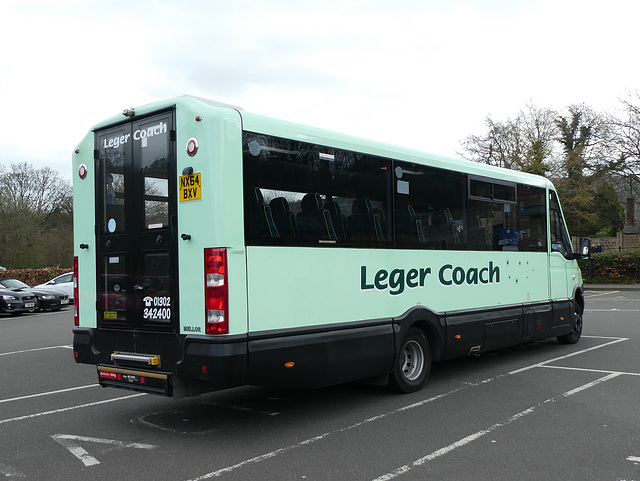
35	217
571	148
624	139
40	191
583	135
525	143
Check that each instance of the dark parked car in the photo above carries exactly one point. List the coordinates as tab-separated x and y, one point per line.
45	298
15	303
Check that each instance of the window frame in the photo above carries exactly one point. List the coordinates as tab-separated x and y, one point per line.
493	182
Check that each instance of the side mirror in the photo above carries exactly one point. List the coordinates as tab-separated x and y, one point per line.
585	249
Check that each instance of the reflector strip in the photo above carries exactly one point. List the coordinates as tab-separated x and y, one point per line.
110	372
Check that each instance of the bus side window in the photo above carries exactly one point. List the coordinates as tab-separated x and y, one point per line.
284	219
114	206
431	207
559	238
259	222
339	220
364	223
314	221
409	227
442	230
320	184
532	219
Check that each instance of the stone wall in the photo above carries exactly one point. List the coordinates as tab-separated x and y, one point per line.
621	242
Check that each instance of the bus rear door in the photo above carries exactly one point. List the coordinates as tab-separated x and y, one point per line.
136	217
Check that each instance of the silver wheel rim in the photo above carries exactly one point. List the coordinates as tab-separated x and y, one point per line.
413	360
577	326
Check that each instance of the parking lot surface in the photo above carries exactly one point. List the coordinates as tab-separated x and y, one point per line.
538	411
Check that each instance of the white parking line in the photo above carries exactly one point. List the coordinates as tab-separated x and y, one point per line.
71	442
277	452
599	371
28	396
306	442
612	310
69	408
9	472
46	393
477	435
68	346
614	340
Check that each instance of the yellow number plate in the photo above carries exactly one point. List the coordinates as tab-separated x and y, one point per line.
190	187
110	315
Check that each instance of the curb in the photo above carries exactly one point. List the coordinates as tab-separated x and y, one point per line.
611	287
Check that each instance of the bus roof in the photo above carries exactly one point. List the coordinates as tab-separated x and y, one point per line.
281	128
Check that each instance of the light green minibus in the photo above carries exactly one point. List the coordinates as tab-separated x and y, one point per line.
217	248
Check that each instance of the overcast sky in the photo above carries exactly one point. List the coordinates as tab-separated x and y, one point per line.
419	73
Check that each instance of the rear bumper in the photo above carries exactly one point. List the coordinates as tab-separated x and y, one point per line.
216	363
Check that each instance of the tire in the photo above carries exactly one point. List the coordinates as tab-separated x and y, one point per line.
576	331
412	364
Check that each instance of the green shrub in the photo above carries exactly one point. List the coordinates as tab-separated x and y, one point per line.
34	277
614	267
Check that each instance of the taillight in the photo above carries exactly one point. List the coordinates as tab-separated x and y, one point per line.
76	314
216	291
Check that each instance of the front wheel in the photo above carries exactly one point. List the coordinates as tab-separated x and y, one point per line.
576	331
412	364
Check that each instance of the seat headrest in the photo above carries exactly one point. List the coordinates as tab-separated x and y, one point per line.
311	202
361	206
333	207
279	205
253	197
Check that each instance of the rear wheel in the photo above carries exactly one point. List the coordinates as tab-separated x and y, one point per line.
412	364
576	331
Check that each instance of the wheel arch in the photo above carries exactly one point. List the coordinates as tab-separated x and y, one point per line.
431	323
578	298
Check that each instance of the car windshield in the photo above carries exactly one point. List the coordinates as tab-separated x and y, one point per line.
13	284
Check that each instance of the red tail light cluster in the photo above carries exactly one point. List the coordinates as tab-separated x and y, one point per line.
76	314
216	291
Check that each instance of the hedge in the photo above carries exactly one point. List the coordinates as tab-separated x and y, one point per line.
33	277
613	267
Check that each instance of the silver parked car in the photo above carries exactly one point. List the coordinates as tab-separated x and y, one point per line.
62	283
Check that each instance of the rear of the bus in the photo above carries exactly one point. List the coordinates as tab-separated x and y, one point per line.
154	250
